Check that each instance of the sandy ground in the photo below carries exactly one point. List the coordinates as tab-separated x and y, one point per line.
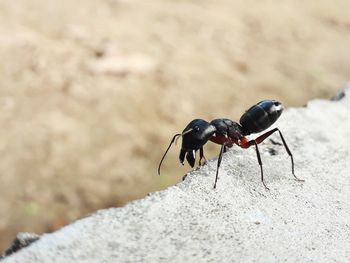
92	91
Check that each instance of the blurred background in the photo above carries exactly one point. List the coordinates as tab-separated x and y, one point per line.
92	91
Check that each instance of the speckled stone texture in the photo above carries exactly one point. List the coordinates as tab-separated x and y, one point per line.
240	221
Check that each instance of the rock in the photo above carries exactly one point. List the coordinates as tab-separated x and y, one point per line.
240	221
22	240
341	94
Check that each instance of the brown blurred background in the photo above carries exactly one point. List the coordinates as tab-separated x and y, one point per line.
92	91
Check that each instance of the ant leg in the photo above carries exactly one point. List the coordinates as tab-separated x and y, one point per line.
225	149
201	156
260	163
219	162
290	155
256	142
261	138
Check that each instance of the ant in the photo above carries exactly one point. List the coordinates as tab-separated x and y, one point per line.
227	133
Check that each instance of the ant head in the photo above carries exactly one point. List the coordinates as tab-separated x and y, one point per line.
194	136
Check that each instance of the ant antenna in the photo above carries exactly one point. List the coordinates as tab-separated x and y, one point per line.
174	139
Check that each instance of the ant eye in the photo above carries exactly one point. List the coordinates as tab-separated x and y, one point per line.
196	128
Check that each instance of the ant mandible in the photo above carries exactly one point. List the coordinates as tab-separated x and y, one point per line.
227	133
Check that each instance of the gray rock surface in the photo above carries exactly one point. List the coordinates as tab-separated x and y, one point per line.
22	240
239	221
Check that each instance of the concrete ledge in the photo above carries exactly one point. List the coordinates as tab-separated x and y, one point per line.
239	221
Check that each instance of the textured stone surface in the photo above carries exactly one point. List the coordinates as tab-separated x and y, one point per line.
240	220
22	240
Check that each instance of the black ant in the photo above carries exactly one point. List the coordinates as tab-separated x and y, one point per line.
227	133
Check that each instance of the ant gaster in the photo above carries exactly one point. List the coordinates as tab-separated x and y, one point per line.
227	133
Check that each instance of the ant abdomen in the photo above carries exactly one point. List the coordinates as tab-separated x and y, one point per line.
261	116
